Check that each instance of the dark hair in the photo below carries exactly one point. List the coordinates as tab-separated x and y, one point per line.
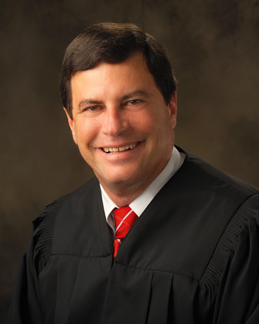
115	43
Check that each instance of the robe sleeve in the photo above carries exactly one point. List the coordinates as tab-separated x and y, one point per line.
238	295
25	307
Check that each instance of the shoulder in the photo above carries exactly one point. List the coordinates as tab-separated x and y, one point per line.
195	168
207	182
238	241
233	268
52	209
213	212
45	222
229	225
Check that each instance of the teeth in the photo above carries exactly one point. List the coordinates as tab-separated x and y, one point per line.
119	149
123	148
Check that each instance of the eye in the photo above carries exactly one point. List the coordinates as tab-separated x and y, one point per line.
134	104
91	111
92	108
134	101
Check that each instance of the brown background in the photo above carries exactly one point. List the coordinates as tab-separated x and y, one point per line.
214	46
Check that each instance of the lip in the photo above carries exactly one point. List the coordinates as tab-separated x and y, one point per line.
120	148
131	146
122	154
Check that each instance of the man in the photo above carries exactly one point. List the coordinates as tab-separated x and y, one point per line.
158	236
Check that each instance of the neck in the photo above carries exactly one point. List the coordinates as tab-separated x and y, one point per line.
123	196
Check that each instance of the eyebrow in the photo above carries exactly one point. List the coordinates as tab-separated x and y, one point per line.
89	101
86	102
134	93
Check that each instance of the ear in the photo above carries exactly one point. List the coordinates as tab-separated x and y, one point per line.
71	124
172	109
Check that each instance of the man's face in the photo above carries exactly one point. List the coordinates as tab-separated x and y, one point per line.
121	123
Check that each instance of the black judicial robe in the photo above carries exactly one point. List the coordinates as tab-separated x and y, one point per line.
192	257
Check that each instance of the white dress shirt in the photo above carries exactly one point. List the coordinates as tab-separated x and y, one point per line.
143	200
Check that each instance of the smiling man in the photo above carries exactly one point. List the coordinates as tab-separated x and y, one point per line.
158	236
122	126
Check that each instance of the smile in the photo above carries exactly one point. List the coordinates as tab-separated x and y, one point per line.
119	149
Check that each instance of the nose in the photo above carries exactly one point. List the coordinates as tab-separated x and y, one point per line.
115	121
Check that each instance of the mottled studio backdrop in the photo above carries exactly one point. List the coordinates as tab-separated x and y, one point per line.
214	47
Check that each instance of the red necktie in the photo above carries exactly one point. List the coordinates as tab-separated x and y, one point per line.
124	218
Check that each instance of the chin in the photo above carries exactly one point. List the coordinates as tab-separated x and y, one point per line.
121	179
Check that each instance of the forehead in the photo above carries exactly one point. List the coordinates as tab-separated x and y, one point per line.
132	72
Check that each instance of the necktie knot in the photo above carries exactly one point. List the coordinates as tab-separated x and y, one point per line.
124	218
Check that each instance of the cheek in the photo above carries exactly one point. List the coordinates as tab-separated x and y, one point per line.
85	133
145	122
164	130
